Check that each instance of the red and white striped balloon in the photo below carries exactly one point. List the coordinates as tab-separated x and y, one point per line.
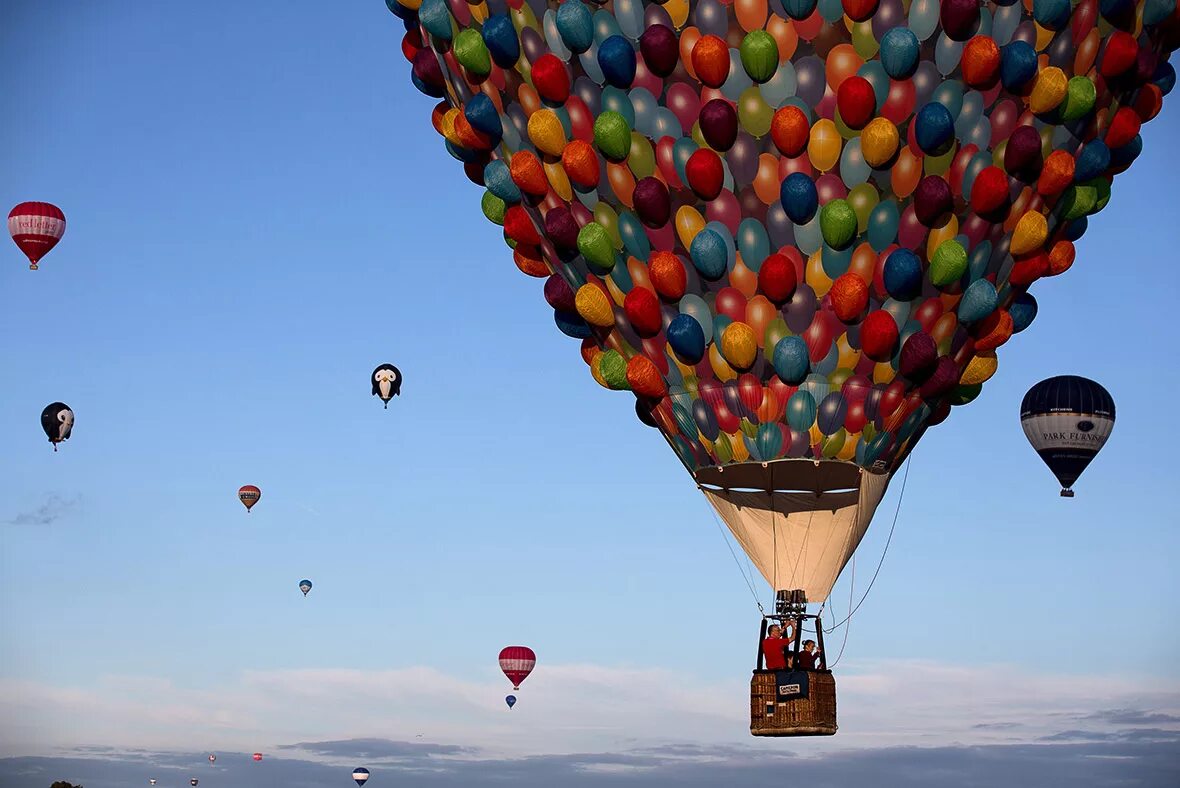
36	227
517	662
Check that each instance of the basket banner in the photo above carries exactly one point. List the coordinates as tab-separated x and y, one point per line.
790	685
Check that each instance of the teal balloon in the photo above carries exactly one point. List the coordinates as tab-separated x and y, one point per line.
877	447
791	360
720	323
629	15
646	108
684	420
695	307
752	242
979	300
827	365
874	72
635	239
854	170
728	240
817	385
950	95
682	151
898	310
553	36
801	410
947	54
575	24
666	124
809	237
621	276
979	162
831	10
738	80
589	62
435	16
605	26
913	422
969	115
883	222
769	440
923	19
781	86
979	260
615	100
835	263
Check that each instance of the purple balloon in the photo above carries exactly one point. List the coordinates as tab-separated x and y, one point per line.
830	187
925	80
685	104
800	310
533	44
910	230
711	18
589	93
779	226
752	207
810	80
742	159
889	14
655	14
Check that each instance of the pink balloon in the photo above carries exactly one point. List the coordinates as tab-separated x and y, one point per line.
644	78
685	105
910	231
830	187
725	209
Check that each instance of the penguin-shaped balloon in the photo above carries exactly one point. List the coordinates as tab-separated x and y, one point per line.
387	382
58	421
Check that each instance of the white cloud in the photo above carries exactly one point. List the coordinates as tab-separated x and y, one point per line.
566	709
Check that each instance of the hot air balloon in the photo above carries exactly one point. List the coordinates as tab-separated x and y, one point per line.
798	240
151	782
193	782
360	775
387	382
36	227
212	758
510	700
249	494
517	662
305	586
1067	419
258	756
58	422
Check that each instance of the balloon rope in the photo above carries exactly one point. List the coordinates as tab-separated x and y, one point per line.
724	538
884	552
847	629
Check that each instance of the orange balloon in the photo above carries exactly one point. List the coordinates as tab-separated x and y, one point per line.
1087	52
864	262
688	40
638	272
770	409
906	173
842	63
530	102
751	14
622	182
558	180
944	328
940	234
766	181
745	280
815	276
759	312
823	148
785	36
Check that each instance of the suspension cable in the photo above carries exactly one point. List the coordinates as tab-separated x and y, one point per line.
745	577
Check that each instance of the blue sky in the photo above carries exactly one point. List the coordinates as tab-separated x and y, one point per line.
259	212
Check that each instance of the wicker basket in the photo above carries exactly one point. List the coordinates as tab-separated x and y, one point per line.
814	715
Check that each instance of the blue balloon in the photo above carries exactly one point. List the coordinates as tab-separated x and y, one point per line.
1156	11
1092	162
791	360
616	58
499	36
616	100
1075	229
687	338
832	411
900	51
874	73
572	325
498	180
1018	64
799	9
575	24
753	243
1023	311
705	419
799	197
1052	14
935	128
482	115
435	16
903	275
979	300
510	700
769	440
1122	157
709	254
883	221
801	411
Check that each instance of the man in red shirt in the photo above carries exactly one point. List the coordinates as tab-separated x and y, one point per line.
774	647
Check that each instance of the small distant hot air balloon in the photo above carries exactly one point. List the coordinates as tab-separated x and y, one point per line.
36	227
361	775
387	382
1067	419
193	782
58	422
151	782
212	758
258	756
517	662
305	586
249	494
510	700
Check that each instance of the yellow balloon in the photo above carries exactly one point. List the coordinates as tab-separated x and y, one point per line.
721	368
848	451
878	142
740	452
678	11
1049	90
1044	37
546	132
558	180
689	222
940	234
883	372
980	369
595	371
823	149
1030	233
814	436
847	356
479	12
938	165
814	274
593	306
739	345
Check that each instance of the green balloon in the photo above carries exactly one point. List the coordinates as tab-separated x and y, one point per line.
1080	95
949	263
1101	188
606	216
775	330
963	394
759	54
493	208
863	198
595	245
1078	201
472	53
612	135
613	367
837	222
642	159
754	114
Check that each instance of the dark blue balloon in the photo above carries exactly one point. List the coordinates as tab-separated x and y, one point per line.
799	9
900	51
482	115
510	700
832	412
616	58
903	275
706	421
399	10
1112	10
1052	14
1075	229
1122	157
687	338
499	35
1093	161
799	197
428	90
1018	64
1164	77
572	325
1022	311
935	129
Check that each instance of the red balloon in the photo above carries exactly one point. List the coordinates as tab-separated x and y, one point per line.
705	173
36	227
777	279
856	101
643	310
258	756
878	335
517	662
731	303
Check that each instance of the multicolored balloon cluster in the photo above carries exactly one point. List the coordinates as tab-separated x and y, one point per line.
792	229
